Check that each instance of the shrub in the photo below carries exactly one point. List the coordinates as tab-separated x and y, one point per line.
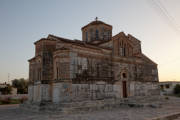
177	89
7	100
6	90
15	101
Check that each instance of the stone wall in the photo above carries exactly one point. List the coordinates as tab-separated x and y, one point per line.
61	65
83	66
136	44
144	88
93	91
66	92
61	92
38	93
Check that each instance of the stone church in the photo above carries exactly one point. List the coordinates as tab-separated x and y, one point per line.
100	66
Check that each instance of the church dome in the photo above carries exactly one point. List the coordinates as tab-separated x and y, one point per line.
96	31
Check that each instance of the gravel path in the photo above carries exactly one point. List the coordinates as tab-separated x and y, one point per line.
13	112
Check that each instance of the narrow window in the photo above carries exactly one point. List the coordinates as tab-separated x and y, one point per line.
109	35
124	51
86	36
97	34
57	73
124	75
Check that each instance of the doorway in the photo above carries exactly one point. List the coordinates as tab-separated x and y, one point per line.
124	89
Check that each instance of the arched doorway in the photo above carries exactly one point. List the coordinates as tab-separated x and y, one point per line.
124	85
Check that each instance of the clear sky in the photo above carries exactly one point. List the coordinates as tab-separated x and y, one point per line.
22	22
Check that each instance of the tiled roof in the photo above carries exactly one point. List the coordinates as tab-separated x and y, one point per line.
77	42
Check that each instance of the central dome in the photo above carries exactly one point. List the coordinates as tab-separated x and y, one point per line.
96	31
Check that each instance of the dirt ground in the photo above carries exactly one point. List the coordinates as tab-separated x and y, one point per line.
13	112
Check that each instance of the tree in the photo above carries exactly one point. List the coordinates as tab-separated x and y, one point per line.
177	89
6	90
21	85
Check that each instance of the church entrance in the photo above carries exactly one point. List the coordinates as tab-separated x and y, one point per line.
124	89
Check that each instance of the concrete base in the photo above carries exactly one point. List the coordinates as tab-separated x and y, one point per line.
88	106
67	92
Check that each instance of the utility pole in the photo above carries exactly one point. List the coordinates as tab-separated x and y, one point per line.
8	78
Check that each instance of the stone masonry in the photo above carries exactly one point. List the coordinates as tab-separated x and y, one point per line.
100	66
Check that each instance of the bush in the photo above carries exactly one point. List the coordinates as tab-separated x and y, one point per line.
10	100
6	90
15	101
21	85
6	100
177	89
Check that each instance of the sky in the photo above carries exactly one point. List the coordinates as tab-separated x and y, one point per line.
156	23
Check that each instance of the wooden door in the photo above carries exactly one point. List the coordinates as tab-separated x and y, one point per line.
124	89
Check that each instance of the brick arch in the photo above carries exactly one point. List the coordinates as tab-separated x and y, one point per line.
124	74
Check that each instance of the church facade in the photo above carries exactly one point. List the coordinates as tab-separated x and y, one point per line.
100	66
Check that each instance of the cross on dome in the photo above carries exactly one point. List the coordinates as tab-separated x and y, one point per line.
96	18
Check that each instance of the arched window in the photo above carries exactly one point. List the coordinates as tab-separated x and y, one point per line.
109	34
124	75
97	34
124	51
